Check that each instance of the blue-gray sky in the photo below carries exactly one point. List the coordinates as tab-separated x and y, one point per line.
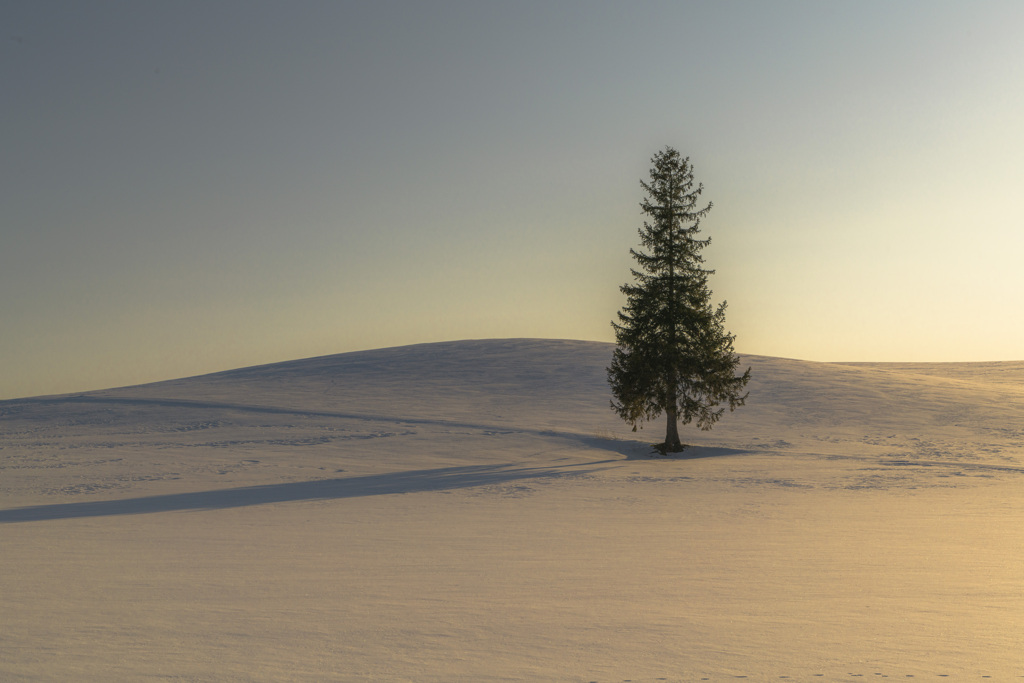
195	186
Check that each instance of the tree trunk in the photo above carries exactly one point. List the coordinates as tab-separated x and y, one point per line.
672	443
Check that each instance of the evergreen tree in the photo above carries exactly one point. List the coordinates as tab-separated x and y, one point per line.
673	353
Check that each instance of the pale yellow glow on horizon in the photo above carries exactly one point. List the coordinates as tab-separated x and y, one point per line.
446	175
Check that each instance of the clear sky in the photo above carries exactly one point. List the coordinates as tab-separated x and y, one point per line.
195	186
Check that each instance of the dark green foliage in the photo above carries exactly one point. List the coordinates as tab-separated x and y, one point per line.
673	352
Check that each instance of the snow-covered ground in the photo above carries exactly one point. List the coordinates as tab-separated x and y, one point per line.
474	511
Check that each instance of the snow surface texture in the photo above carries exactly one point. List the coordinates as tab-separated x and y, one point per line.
474	511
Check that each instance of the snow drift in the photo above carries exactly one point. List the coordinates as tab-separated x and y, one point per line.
474	511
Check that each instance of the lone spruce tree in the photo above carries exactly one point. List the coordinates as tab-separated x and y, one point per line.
673	353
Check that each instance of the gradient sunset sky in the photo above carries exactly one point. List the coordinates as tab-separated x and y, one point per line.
197	186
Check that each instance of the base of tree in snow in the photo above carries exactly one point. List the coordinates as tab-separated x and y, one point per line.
667	449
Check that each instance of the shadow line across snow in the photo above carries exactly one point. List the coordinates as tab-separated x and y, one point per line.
132	402
633	450
413	481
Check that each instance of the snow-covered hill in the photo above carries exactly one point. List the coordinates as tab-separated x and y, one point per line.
475	511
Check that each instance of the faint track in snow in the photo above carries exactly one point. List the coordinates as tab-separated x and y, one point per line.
489	429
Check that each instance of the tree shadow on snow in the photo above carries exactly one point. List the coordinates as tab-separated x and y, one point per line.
637	450
415	481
